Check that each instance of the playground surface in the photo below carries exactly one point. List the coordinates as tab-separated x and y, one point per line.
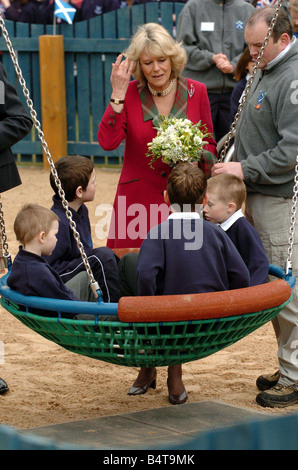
53	390
157	428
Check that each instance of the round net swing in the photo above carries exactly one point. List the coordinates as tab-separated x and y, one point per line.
151	331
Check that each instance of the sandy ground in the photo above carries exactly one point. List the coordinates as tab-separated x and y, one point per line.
49	385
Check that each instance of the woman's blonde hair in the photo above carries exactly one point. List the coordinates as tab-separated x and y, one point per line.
156	41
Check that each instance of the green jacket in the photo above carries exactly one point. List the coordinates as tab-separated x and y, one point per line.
209	27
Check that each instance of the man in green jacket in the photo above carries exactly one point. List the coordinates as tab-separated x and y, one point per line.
266	146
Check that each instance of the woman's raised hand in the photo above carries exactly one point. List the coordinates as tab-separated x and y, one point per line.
120	77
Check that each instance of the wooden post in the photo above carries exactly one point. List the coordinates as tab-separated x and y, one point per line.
53	95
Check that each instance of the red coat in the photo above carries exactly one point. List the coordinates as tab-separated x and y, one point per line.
139	196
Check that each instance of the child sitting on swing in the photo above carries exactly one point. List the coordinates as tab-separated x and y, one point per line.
184	255
78	180
36	229
226	196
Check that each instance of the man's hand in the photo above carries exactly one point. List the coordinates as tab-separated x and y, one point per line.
222	63
234	168
218	57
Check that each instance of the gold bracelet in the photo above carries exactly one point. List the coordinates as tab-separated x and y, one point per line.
116	101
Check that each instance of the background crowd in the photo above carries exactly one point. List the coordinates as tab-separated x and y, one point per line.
41	11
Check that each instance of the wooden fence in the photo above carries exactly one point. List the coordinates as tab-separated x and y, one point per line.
90	49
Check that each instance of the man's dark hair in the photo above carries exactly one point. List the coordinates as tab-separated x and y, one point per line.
282	24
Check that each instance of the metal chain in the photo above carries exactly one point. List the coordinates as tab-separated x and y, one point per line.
94	284
289	265
6	254
232	131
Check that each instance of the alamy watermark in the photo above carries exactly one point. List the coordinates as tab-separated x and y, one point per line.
294	94
136	221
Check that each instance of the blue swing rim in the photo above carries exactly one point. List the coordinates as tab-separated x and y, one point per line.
91	308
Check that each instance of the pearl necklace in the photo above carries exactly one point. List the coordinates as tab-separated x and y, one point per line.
161	93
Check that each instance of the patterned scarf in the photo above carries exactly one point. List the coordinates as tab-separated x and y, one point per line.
180	106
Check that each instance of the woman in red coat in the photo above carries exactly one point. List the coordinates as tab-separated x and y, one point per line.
156	61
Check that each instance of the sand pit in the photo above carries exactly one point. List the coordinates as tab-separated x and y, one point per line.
49	385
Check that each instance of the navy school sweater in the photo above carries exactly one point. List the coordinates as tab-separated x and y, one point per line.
66	258
187	256
32	275
249	244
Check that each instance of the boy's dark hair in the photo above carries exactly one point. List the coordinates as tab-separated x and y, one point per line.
187	186
73	171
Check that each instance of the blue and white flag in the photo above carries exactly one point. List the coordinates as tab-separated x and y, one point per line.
64	10
265	3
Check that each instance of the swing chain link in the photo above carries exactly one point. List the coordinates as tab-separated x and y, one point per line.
249	83
94	284
232	132
6	254
288	264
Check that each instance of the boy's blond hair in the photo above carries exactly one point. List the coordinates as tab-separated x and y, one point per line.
228	188
31	220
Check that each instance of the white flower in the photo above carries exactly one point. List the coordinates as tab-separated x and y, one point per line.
177	140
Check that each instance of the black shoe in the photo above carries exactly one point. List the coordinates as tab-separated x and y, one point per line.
265	382
177	399
3	387
279	396
140	390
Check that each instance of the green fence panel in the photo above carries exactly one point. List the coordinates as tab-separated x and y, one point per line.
90	49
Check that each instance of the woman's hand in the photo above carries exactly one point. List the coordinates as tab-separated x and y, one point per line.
120	77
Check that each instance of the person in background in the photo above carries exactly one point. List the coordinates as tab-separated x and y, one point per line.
92	8
293	12
212	32
138	2
12	9
243	71
35	11
15	124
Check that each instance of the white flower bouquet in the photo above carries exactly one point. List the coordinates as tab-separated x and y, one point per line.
177	140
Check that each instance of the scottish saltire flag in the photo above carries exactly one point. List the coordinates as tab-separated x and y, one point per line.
265	3
64	11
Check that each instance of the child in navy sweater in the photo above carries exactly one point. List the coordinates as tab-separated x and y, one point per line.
36	228
226	196
185	255
78	180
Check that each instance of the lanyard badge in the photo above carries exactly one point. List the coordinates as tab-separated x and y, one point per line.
260	99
